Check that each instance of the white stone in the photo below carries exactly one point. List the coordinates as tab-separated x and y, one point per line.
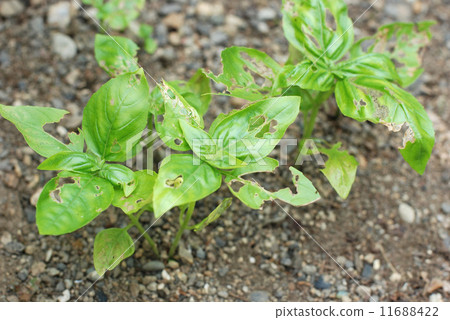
65	296
406	212
64	46
10	8
59	14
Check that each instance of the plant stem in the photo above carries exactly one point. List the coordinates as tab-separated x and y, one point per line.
311	120
183	226
137	224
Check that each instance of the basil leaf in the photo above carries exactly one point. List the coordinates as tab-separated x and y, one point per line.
209	149
254	196
71	161
118	14
306	76
240	65
111	246
76	141
214	215
380	101
116	55
402	42
30	122
140	197
64	207
253	132
371	64
119	175
115	114
305	27
340	169
182	179
176	108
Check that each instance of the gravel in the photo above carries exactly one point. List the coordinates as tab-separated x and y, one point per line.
406	213
153	266
11	8
64	46
259	296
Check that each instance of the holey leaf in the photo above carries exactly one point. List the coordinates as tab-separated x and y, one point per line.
253	132
402	42
118	14
116	55
379	101
209	149
319	29
111	246
176	108
254	196
141	196
247	73
119	175
340	169
182	179
115	115
30	122
70	201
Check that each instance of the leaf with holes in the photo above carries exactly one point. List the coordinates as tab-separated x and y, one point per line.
371	64
402	42
196	91
76	141
380	101
116	55
111	246
214	215
176	108
119	175
254	196
306	27
183	178
115	115
30	122
340	169
306	76
209	149
118	14
71	161
141	196
247	73
70	201
253	132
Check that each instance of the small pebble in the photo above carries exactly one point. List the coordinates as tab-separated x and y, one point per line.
153	266
259	296
436	297
321	284
165	275
65	296
406	212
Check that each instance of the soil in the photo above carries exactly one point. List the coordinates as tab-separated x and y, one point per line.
246	255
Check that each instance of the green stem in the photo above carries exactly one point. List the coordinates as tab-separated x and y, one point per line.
138	225
183	226
310	121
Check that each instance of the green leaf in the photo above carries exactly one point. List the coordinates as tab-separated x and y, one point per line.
371	64
305	27
253	132
402	42
119	175
340	169
243	70
76	141
30	122
176	108
254	196
115	115
380	101
116	55
118	14
262	165
140	197
182	179
197	92
214	215
305	75
70	201
71	161
209	149
111	246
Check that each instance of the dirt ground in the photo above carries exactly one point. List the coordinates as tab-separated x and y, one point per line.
246	255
